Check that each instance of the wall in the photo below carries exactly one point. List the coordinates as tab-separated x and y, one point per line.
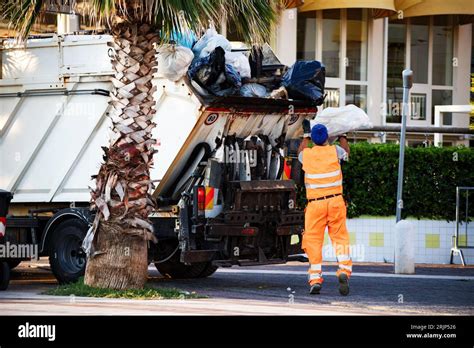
372	240
285	41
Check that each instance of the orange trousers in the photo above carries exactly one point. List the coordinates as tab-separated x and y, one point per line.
330	213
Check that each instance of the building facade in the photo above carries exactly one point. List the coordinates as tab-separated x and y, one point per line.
365	51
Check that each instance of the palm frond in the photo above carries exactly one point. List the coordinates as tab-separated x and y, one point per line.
253	19
168	15
21	14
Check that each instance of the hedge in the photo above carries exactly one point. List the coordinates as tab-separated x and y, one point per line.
431	177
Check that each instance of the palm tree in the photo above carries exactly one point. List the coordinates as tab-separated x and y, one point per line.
122	193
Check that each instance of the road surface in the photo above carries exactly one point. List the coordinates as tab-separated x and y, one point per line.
267	290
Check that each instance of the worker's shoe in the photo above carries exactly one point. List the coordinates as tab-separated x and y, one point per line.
343	284
315	289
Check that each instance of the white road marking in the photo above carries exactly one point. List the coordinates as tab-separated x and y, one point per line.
355	274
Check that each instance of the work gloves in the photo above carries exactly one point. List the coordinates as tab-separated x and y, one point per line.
306	128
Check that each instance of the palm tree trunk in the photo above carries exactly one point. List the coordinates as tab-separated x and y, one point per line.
118	257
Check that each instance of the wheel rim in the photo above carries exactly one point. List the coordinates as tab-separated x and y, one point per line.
71	255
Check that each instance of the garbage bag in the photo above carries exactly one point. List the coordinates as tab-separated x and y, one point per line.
213	74
173	61
256	61
305	80
342	120
186	38
205	71
209	42
253	90
228	82
239	62
232	76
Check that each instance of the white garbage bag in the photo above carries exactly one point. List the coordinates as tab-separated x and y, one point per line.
342	120
253	90
208	43
240	62
173	61
87	242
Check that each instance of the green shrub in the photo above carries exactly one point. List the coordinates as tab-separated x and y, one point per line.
431	177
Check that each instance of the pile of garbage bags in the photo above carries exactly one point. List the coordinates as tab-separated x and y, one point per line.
215	70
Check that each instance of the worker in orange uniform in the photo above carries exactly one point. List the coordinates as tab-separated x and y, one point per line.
326	206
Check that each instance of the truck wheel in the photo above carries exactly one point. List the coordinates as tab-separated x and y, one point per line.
173	267
208	270
66	257
4	275
13	263
178	270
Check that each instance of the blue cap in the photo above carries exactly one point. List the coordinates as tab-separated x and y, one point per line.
319	134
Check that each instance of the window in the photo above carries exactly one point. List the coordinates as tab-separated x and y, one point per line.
418	106
424	44
419	31
395	66
306	34
331	41
441	97
442	50
339	38
356	64
357	95
332	97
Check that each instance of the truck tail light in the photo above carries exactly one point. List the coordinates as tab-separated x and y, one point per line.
201	200
249	231
5	198
3	225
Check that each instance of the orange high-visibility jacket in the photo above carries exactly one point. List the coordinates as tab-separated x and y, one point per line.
323	175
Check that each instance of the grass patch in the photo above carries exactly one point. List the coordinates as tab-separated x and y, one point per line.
147	293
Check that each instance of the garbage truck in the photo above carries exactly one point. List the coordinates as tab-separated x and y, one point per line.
223	187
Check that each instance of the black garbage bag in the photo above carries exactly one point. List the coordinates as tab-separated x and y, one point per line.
256	61
214	75
305	80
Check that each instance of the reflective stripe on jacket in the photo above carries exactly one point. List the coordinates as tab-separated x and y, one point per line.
323	175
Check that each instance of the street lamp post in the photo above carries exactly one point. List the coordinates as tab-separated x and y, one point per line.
407	75
404	260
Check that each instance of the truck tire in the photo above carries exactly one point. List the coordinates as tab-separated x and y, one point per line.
4	276
13	263
67	260
173	268
178	270
208	270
